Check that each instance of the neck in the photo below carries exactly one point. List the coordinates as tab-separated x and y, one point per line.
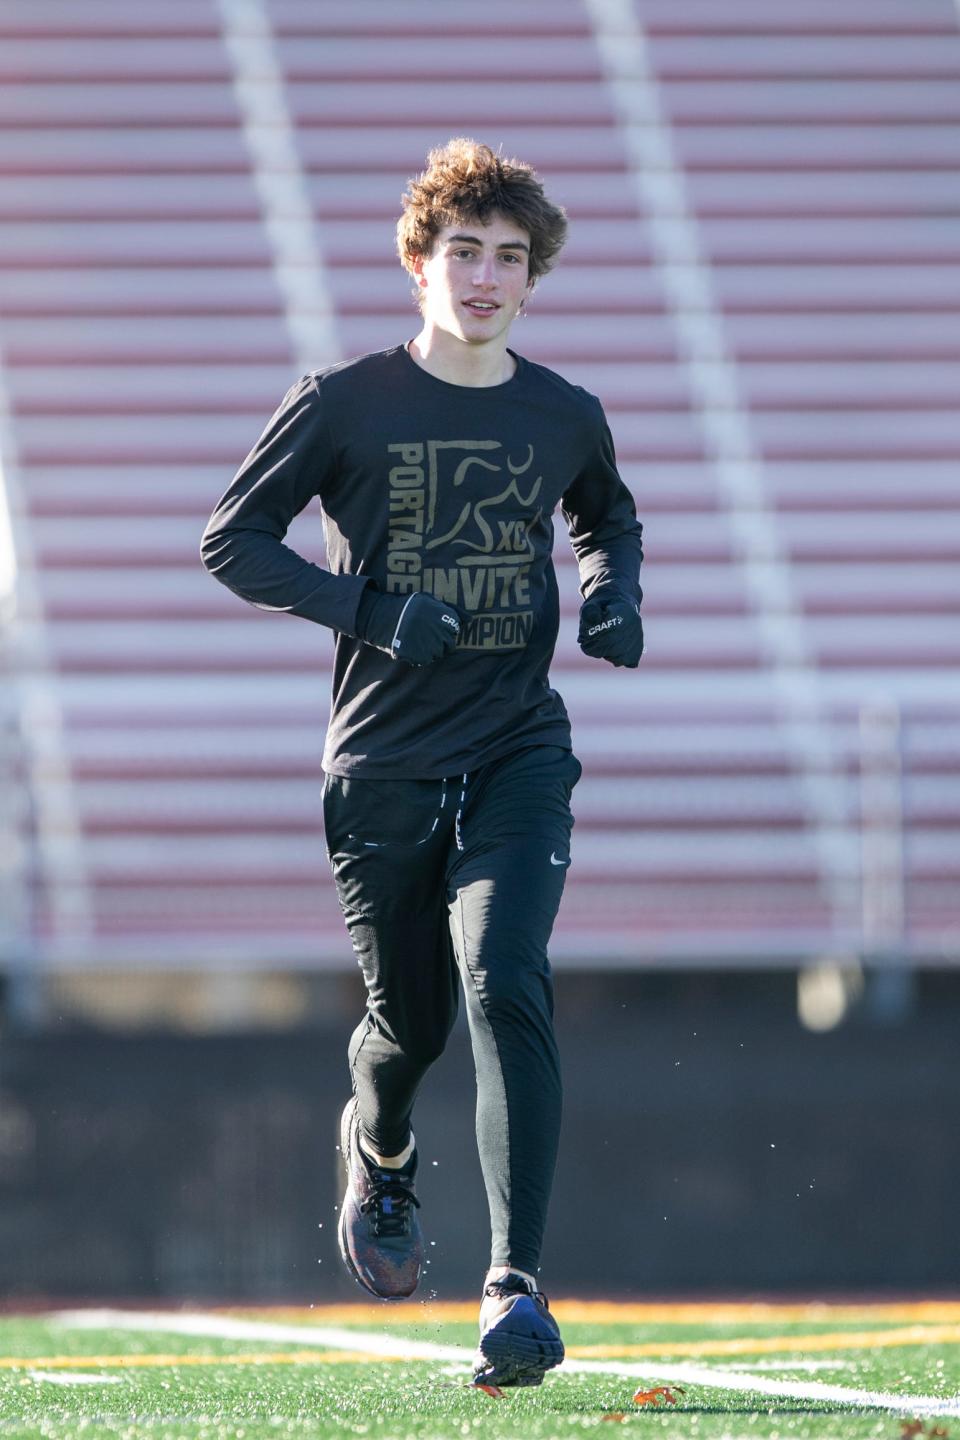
459	363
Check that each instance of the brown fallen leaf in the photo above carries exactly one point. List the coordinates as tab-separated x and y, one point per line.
653	1397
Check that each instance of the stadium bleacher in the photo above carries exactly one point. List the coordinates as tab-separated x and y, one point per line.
810	220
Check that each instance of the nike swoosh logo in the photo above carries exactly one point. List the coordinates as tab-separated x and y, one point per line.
555	861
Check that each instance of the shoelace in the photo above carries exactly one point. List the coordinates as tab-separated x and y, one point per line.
505	1289
390	1202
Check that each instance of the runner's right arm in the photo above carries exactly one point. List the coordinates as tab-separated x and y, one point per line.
242	543
243	548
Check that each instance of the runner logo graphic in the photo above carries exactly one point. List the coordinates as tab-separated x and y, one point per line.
463	536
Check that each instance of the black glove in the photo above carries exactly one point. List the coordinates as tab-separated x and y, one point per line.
416	628
612	630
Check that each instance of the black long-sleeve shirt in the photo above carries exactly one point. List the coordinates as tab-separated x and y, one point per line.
447	489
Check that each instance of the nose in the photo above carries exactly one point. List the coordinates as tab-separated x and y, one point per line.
484	274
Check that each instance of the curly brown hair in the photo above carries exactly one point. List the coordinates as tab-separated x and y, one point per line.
465	180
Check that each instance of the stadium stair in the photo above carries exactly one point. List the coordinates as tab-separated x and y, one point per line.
144	342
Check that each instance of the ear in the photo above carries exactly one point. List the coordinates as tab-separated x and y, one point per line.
416	266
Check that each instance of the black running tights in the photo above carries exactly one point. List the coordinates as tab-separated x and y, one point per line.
461	874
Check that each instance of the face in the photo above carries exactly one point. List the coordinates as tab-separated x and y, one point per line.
472	284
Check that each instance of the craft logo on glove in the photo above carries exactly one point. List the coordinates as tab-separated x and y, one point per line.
607	624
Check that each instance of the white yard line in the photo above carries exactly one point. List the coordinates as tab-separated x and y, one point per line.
807	1367
71	1377
222	1327
759	1385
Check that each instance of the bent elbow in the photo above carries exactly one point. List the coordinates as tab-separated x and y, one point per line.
212	544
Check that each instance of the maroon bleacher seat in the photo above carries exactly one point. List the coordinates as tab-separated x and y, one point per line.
144	344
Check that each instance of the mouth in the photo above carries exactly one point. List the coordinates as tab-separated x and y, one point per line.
481	307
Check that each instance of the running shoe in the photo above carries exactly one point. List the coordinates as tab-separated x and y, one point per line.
519	1338
380	1238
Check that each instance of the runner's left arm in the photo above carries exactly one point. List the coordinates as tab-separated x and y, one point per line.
607	540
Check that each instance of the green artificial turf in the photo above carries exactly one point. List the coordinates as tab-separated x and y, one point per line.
225	1398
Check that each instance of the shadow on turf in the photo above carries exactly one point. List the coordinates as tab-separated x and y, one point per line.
662	1410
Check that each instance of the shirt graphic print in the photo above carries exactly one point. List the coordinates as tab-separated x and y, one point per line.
461	513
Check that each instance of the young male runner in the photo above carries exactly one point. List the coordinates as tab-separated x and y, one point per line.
448	758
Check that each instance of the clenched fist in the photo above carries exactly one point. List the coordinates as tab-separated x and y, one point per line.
416	628
612	630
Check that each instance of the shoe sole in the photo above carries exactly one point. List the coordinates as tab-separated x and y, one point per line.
519	1359
346	1125
346	1257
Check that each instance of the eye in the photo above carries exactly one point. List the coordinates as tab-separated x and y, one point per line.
512	259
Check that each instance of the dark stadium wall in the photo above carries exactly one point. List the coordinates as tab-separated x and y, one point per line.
711	1145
